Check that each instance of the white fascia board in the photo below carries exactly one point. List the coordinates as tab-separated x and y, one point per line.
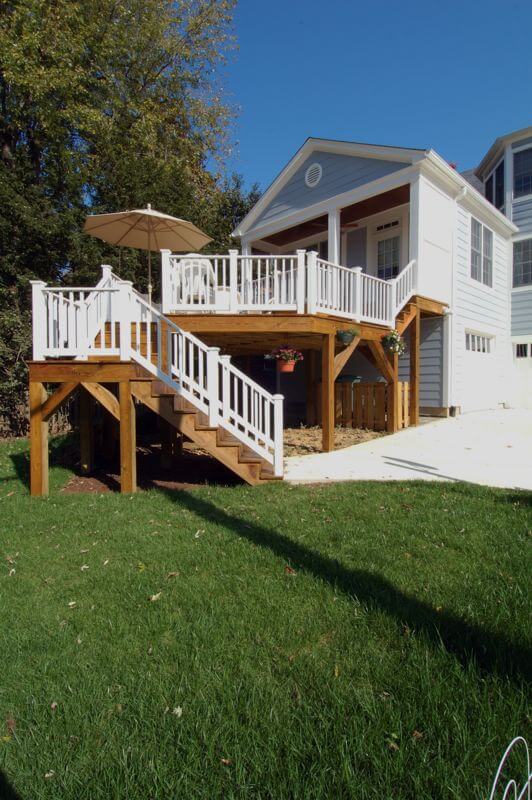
437	169
384	184
497	150
329	146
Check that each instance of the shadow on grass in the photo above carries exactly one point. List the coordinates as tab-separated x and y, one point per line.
492	652
63	452
7	792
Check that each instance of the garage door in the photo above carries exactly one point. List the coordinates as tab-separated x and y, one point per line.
481	386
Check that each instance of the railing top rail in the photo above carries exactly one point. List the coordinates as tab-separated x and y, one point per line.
90	289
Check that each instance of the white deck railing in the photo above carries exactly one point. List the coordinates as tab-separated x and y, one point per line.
113	319
301	282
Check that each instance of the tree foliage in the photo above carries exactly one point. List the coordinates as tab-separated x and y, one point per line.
104	105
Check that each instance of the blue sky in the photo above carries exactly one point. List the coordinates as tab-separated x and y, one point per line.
448	75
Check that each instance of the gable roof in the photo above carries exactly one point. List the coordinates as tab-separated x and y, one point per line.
408	155
432	162
498	146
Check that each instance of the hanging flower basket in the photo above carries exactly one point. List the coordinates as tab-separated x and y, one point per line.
347	335
393	342
286	357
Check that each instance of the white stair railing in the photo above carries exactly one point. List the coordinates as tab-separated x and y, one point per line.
114	319
405	285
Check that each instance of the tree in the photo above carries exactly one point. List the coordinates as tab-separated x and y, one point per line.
104	106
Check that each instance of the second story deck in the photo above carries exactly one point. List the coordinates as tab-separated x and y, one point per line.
299	283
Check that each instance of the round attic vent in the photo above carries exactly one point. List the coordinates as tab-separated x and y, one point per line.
313	175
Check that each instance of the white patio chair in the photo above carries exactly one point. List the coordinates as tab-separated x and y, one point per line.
196	280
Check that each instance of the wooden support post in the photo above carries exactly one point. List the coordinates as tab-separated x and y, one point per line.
415	330
392	424
327	392
168	435
86	432
128	454
38	441
311	387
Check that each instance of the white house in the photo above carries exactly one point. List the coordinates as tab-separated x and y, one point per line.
379	208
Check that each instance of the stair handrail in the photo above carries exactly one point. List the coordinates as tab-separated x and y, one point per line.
208	380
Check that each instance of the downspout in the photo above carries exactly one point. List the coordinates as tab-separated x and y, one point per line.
449	317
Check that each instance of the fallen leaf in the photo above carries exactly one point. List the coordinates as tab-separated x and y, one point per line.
289	571
9	494
84	567
72	604
53	705
78	640
198	533
172	574
10	725
106	562
226	761
155	597
12	571
141	567
417	735
336	670
84	551
6	738
49	774
177	712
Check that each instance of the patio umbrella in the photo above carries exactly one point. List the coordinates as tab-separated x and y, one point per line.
148	230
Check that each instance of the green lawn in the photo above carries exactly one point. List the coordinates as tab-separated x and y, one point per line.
349	641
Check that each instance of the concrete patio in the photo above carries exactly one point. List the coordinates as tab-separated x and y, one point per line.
492	448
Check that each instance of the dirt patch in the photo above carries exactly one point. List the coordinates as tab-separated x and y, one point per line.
194	467
303	441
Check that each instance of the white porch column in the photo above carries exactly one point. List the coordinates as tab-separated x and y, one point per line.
415	221
246	247
334	235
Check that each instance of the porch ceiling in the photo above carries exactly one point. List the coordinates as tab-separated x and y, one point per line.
349	215
375	205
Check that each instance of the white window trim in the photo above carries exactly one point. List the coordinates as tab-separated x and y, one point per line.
524	197
473	281
490	337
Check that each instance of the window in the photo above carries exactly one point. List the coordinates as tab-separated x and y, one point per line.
521	350
477	343
494	186
481	253
488	188
523	263
523	172
388	257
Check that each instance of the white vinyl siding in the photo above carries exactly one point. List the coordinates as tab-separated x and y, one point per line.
482	311
481	253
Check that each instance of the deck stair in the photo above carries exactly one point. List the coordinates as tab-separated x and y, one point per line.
194	425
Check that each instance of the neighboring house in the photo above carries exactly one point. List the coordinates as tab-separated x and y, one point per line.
505	175
380	208
348	235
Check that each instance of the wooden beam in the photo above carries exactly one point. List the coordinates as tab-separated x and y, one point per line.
128	454
381	360
311	387
430	306
55	400
105	397
38	441
341	358
85	371
327	392
415	331
86	432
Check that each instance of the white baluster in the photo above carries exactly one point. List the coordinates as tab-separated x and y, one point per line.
312	281
226	387
166	281
278	400
300	286
233	281
83	343
125	316
38	303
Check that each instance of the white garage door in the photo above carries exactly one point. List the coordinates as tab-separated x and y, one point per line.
481	386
